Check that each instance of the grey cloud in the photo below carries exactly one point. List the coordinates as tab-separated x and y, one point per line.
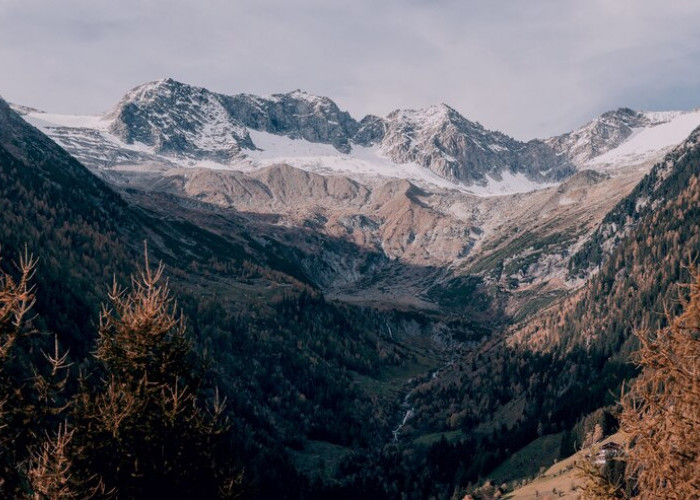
531	68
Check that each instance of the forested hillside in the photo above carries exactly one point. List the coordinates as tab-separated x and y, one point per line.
544	375
299	373
52	206
323	398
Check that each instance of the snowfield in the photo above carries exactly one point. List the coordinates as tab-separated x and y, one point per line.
650	143
369	163
363	164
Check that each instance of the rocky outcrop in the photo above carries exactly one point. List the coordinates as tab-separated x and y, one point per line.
190	122
603	134
297	115
442	140
179	120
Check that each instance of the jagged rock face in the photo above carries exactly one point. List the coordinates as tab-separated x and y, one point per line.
601	135
445	142
179	120
297	115
371	131
541	163
185	121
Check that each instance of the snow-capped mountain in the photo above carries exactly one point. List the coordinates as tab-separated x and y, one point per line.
167	123
625	137
426	188
296	115
179	120
442	140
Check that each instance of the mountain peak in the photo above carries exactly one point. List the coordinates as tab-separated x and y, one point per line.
179	119
624	111
299	95
441	139
624	136
163	90
434	116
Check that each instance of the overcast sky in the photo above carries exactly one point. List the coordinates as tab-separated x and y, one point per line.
530	68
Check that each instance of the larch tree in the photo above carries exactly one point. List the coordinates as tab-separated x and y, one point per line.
35	459
16	299
146	430
661	412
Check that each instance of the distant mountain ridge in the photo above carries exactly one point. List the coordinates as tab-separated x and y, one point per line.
442	140
180	121
625	136
425	187
165	124
600	135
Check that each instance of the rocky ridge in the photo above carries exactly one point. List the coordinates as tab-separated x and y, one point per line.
401	187
185	124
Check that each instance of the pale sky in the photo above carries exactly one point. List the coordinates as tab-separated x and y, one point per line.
530	68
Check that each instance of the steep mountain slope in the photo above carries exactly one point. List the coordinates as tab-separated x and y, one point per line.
68	218
556	366
50	200
443	141
296	115
178	121
624	138
85	234
601	135
418	187
642	248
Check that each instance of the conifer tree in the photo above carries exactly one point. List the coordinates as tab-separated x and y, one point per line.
16	431
146	432
662	411
34	435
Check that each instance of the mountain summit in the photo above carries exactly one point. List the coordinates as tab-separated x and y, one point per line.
442	140
169	123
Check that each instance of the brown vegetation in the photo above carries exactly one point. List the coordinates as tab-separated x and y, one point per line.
661	415
662	411
138	426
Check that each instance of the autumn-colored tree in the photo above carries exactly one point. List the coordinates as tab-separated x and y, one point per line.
661	413
34	457
146	431
16	299
49	472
